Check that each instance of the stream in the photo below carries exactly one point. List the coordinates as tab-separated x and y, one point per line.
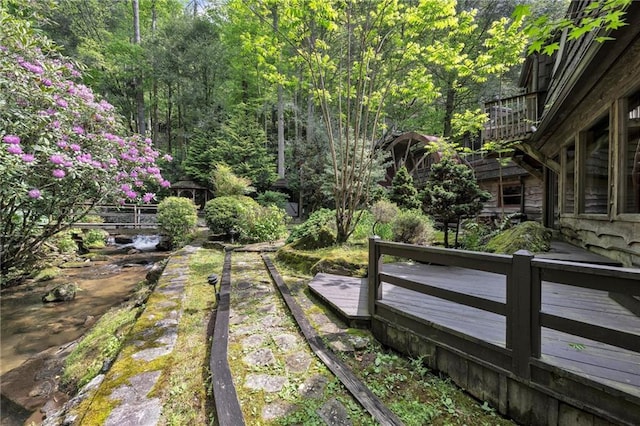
29	327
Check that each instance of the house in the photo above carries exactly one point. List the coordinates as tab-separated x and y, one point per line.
580	119
409	149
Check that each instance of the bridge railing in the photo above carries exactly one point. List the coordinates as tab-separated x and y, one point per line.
123	216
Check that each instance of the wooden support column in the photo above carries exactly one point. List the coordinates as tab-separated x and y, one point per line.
375	289
519	333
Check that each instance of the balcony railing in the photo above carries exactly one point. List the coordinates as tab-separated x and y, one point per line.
511	118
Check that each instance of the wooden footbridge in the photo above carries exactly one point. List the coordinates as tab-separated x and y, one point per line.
126	216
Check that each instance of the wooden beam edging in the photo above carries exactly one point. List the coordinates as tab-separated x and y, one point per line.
359	390
228	409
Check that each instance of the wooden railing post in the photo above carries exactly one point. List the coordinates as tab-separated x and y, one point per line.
375	291
519	333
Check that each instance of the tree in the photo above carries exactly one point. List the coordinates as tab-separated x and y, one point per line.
240	144
403	193
451	194
60	152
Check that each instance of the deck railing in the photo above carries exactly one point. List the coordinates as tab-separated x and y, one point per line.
523	308
511	119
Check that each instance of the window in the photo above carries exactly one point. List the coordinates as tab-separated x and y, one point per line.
595	168
568	190
511	195
629	195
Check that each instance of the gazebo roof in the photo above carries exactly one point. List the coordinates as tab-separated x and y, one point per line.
186	184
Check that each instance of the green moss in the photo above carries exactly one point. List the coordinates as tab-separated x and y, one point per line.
47	274
530	236
102	342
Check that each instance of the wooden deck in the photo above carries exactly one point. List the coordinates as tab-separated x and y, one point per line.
611	366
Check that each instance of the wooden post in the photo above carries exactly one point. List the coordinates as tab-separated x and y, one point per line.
519	333
375	291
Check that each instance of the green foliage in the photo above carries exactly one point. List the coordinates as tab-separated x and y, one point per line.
100	344
368	224
474	235
403	192
531	236
95	238
177	217
242	217
322	218
412	227
452	193
263	224
240	143
226	182
64	242
273	198
223	215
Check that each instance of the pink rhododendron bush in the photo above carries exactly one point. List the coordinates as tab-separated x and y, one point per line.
62	149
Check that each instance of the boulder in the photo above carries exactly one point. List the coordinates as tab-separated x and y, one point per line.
62	293
323	238
165	243
530	236
155	272
123	239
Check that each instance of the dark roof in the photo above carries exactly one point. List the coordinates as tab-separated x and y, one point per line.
186	184
489	168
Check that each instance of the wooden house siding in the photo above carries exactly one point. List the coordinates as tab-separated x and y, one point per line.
584	139
609	233
532	192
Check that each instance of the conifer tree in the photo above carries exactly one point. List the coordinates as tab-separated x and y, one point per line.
403	192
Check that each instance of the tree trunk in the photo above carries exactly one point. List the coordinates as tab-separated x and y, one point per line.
446	234
137	81
274	12
448	110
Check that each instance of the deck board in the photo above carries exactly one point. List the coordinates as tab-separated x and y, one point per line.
606	364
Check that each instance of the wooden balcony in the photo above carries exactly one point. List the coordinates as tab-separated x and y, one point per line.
511	119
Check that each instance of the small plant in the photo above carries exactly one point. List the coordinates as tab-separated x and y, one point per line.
95	238
263	224
273	198
177	217
65	243
322	218
384	212
403	192
412	227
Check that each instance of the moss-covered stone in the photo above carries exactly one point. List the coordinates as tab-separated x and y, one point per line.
297	260
340	266
325	237
531	236
47	274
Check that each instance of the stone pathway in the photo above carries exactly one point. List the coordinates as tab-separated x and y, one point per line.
272	360
130	400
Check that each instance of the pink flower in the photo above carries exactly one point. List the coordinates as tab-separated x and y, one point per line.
146	198
167	157
14	149
165	184
75	147
131	194
35	193
78	130
56	159
58	174
61	103
11	139
46	82
28	158
61	144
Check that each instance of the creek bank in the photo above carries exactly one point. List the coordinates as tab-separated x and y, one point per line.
37	337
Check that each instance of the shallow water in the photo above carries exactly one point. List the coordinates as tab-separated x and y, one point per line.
28	326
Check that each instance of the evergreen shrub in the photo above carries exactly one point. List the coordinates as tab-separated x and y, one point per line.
224	215
316	221
412	227
177	217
